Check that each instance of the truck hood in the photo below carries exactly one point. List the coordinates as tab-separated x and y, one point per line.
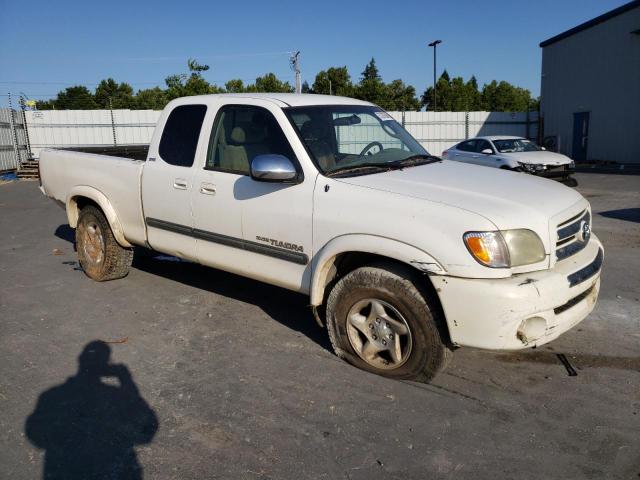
507	199
541	157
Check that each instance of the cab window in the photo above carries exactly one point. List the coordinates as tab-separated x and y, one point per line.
180	135
240	133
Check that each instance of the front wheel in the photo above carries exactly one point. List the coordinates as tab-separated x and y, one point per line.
379	321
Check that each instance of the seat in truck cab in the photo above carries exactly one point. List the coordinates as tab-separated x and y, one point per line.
316	135
244	143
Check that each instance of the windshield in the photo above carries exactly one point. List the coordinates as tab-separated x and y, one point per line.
515	145
346	138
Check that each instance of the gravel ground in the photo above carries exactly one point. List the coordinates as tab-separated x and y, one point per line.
216	376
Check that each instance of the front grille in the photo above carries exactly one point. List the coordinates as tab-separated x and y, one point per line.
571	236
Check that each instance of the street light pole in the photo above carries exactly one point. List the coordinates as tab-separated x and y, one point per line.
434	44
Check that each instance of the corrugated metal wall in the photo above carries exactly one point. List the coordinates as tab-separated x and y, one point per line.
13	149
596	71
436	131
82	128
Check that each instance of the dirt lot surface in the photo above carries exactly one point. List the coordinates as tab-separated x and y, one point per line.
216	376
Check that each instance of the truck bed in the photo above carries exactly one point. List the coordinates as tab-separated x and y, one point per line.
66	174
132	152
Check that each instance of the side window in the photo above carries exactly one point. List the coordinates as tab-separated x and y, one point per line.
241	133
468	146
180	135
481	145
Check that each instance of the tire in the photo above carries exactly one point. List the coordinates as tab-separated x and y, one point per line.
422	353
99	255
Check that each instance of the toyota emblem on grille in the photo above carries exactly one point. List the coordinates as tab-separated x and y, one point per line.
585	232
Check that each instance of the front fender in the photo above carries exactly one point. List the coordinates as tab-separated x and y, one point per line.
362	243
103	202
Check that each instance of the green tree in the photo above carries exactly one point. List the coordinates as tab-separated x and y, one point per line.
75	98
234	86
270	83
504	97
184	85
400	97
335	81
371	87
151	99
111	94
443	93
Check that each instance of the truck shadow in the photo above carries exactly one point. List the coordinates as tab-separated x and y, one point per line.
289	308
286	307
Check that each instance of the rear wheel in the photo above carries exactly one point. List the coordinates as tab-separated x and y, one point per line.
379	321
99	254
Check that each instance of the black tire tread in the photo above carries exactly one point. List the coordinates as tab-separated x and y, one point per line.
392	277
117	259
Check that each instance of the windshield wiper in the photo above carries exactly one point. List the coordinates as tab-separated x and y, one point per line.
364	167
419	159
412	161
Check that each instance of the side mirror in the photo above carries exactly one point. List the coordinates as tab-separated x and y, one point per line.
273	168
487	151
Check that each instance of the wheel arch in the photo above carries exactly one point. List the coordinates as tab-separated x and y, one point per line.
348	252
84	194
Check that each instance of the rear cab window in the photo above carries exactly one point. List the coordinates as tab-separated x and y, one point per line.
179	139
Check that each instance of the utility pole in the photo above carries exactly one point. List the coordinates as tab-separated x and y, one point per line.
434	44
295	64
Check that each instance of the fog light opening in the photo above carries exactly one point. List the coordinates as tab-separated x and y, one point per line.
531	329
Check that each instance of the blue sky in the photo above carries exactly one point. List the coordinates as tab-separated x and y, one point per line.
48	45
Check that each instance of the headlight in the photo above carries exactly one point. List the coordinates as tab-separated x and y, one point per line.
506	248
572	164
531	167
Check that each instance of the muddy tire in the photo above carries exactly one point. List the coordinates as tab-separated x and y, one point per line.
99	255
380	322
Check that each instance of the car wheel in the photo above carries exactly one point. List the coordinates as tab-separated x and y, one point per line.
380	322
99	254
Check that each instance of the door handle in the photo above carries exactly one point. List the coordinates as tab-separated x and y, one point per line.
207	189
475	156
457	154
180	184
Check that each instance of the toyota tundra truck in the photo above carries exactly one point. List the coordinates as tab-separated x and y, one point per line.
404	256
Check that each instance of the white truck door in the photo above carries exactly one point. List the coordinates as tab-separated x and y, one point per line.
167	182
257	229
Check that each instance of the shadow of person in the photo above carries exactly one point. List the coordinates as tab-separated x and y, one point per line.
87	427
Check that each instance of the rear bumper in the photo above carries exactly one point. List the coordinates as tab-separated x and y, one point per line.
524	310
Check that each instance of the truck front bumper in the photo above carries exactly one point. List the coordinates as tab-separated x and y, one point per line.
524	310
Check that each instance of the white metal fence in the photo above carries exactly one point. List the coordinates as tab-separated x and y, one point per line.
89	128
13	139
436	131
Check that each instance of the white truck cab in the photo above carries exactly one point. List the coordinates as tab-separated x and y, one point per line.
404	256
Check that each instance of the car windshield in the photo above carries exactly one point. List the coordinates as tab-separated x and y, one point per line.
511	145
354	139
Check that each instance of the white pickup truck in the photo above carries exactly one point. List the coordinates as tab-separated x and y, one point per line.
404	256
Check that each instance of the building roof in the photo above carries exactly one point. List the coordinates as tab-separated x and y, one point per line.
591	23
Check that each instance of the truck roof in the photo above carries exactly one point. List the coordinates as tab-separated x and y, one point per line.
291	99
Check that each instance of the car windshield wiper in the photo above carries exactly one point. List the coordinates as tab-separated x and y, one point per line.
370	167
363	168
419	159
